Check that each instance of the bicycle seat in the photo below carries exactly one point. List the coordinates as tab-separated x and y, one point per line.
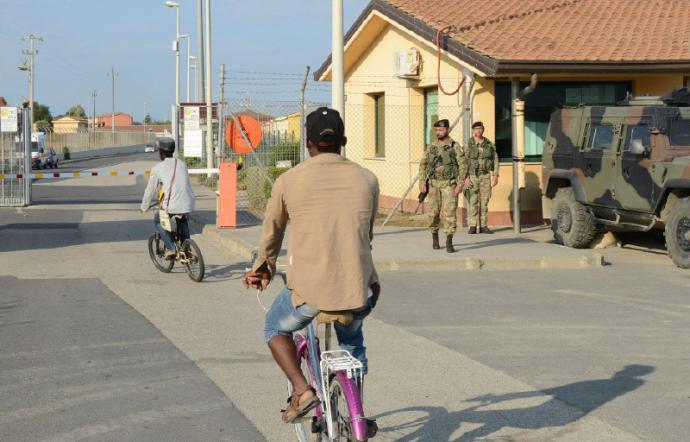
344	318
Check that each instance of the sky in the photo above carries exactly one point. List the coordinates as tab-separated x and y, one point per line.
265	45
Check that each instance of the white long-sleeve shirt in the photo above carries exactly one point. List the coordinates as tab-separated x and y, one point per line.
181	196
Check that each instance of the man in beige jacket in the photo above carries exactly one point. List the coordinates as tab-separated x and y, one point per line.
331	204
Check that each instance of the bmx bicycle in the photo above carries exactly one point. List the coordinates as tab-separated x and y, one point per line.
187	253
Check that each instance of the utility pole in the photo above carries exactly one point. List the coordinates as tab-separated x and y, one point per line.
221	114
113	74
209	89
196	78
31	38
337	57
200	90
146	135
303	115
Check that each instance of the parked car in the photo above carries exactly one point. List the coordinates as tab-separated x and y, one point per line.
38	148
150	148
621	168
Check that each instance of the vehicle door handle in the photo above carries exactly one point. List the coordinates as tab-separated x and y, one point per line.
588	170
626	172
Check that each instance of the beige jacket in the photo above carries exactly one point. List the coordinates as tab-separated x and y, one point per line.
331	204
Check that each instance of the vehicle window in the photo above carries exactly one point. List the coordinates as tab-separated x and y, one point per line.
34	146
679	133
600	137
637	135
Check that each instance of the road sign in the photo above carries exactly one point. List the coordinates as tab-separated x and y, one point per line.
8	119
193	143
251	129
191	118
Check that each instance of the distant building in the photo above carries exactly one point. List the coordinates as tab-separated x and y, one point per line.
121	119
69	125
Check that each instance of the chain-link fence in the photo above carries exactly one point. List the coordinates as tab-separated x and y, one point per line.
387	139
83	141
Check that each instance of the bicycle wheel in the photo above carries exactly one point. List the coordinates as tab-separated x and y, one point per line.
304	428
157	251
193	260
342	421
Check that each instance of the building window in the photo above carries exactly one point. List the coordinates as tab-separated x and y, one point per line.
379	125
430	113
541	103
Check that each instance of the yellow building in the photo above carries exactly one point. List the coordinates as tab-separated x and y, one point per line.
392	81
69	125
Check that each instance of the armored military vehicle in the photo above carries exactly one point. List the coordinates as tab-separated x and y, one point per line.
622	168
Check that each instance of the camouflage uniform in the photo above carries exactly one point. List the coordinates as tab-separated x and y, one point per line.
442	182
482	161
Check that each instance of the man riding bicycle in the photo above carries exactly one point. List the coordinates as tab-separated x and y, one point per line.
170	181
331	204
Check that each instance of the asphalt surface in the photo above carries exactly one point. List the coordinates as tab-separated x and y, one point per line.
96	344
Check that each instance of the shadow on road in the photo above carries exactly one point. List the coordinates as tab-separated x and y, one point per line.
584	397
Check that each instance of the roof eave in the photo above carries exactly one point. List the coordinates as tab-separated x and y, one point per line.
586	67
426	32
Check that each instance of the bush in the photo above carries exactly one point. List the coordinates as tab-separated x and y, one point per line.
65	153
258	187
285	152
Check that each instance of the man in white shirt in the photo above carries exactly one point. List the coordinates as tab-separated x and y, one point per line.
169	181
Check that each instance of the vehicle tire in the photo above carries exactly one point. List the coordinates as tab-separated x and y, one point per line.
677	233
572	224
194	262
156	252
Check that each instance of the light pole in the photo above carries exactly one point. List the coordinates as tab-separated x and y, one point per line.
176	48
189	42
338	56
193	58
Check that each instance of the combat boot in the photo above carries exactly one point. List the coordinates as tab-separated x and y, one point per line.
486	230
473	230
449	244
434	240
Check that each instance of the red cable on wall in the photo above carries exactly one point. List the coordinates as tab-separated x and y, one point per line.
438	66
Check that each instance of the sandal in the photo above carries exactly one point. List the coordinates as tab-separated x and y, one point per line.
295	410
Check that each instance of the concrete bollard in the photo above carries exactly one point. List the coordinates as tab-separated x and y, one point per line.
226	205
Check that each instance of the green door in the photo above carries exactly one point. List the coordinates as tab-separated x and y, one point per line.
430	114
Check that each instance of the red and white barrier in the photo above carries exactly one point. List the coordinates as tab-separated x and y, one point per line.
118	173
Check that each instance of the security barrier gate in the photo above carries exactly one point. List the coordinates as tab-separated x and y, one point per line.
15	156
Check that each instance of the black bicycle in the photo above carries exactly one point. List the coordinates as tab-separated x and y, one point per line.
187	253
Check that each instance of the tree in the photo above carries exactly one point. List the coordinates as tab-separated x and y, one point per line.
147	119
43	125
42	112
76	112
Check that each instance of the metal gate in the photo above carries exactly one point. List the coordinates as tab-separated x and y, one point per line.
15	156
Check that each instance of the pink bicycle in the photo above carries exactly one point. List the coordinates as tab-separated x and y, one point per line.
338	380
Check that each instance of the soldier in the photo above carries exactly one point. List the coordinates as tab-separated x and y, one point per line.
482	162
441	167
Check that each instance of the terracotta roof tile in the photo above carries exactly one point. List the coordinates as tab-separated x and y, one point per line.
625	31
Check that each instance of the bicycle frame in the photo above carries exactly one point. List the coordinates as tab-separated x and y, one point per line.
309	350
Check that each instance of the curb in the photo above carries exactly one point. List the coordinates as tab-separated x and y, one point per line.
244	250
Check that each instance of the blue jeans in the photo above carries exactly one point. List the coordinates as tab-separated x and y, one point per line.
182	226
284	319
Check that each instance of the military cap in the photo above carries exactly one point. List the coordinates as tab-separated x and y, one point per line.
442	123
477	124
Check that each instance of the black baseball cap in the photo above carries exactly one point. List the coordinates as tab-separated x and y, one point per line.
477	124
325	128
442	123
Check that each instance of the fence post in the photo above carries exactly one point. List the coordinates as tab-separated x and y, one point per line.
27	155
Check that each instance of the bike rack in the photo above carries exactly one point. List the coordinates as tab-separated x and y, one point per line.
333	362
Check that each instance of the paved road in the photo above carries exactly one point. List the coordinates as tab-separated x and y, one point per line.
96	344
